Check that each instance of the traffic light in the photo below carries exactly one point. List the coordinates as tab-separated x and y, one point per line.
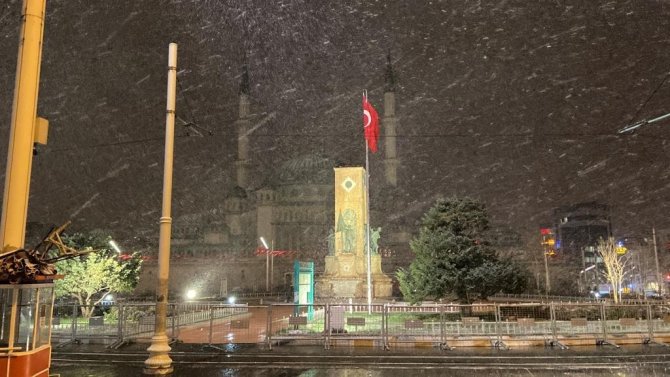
548	241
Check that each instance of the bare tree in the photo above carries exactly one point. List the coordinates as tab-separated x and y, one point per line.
615	265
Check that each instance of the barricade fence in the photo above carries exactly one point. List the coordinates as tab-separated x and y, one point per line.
386	325
127	322
287	322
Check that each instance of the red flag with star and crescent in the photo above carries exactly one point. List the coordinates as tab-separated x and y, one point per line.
370	124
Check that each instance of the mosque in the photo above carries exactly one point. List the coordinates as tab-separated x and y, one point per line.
219	251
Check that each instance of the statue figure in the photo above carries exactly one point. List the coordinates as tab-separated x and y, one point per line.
375	234
331	241
347	225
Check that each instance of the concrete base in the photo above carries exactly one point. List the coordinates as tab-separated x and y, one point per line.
345	276
159	362
344	287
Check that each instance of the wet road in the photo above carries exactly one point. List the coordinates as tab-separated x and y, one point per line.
200	371
313	362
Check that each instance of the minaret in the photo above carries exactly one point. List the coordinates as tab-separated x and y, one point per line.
389	123
243	127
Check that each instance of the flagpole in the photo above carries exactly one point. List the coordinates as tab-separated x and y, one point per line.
367	218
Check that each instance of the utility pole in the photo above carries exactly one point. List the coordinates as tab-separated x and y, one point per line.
548	242
547	283
272	264
267	262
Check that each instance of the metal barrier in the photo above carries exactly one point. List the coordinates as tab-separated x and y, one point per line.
355	324
381	325
473	320
659	316
527	321
578	321
417	325
69	325
625	321
121	323
287	322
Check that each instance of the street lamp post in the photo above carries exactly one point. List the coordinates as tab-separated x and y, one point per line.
632	127
269	264
547	282
159	361
658	270
581	274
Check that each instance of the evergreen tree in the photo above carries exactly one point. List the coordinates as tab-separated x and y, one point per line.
453	258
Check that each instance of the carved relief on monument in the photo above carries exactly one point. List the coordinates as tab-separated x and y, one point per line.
345	235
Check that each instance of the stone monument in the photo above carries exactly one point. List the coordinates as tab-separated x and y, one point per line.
345	274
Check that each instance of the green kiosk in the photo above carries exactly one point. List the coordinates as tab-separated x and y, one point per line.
303	288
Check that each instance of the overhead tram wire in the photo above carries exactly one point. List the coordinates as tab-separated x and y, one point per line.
114	144
193	123
631	128
637	113
512	137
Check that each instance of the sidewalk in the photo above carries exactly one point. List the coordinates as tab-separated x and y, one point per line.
247	328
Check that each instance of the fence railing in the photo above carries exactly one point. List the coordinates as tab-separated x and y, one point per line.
556	323
543	298
526	297
125	322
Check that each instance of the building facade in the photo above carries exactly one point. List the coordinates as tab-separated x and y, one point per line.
578	229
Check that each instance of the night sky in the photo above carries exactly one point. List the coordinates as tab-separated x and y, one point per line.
516	103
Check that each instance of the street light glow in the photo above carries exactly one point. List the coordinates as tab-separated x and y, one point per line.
190	294
114	246
587	269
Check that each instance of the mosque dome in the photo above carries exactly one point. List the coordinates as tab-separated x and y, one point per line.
306	169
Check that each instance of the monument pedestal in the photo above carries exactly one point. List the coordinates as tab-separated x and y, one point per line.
346	276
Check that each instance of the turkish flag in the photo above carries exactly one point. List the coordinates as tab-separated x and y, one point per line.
370	124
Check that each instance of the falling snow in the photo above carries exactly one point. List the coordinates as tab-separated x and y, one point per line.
516	103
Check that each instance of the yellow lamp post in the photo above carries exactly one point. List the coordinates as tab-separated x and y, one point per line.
25	130
25	348
159	361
